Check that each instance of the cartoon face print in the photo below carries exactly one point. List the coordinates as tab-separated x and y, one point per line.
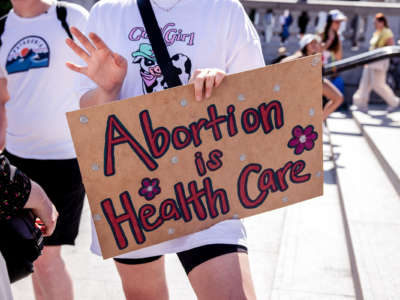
152	77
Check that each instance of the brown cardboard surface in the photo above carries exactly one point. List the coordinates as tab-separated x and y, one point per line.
293	88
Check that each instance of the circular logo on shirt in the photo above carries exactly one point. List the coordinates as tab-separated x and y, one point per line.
28	53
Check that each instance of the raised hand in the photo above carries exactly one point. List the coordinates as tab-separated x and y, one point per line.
205	80
104	67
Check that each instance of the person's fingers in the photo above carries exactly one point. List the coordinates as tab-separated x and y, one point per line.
48	217
78	50
76	68
98	42
204	80
199	85
219	77
209	83
83	39
50	224
195	74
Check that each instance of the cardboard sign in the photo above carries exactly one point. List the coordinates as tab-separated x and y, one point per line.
161	166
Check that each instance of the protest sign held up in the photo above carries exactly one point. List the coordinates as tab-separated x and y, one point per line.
160	166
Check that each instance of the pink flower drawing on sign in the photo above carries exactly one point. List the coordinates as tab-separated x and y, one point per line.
150	188
302	139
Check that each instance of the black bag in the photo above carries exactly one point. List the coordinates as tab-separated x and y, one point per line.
21	244
157	43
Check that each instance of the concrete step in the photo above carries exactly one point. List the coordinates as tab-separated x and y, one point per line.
382	132
371	208
313	260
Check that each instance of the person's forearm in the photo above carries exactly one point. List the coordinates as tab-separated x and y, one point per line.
3	125
98	96
389	42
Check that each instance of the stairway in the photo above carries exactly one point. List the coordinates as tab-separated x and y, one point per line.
367	163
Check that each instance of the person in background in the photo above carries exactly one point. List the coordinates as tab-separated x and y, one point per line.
354	24
331	41
215	260
310	44
320	22
285	21
302	22
374	75
38	141
252	14
282	53
332	45
26	194
269	23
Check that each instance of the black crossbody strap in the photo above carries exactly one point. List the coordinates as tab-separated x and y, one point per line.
157	43
3	20
62	17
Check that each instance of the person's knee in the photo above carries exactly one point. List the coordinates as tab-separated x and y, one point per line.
223	277
133	292
50	261
144	281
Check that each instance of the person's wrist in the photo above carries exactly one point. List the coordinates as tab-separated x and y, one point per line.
111	93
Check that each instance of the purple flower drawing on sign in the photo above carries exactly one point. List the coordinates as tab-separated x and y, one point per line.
302	139
150	188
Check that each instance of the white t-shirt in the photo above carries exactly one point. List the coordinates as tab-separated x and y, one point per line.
41	87
5	287
198	34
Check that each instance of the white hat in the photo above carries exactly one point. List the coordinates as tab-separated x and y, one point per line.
337	15
308	38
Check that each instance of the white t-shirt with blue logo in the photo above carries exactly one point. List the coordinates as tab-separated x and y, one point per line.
198	34
41	87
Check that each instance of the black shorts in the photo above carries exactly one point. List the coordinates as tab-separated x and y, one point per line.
62	182
191	258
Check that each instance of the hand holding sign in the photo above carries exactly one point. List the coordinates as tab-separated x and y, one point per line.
204	80
106	68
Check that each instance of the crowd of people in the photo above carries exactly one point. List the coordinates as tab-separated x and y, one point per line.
327	40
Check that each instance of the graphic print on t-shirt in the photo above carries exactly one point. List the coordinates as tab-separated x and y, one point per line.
28	53
150	72
152	77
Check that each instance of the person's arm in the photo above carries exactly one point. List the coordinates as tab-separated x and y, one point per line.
329	41
389	41
43	208
294	56
17	192
334	96
339	53
4	97
3	125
